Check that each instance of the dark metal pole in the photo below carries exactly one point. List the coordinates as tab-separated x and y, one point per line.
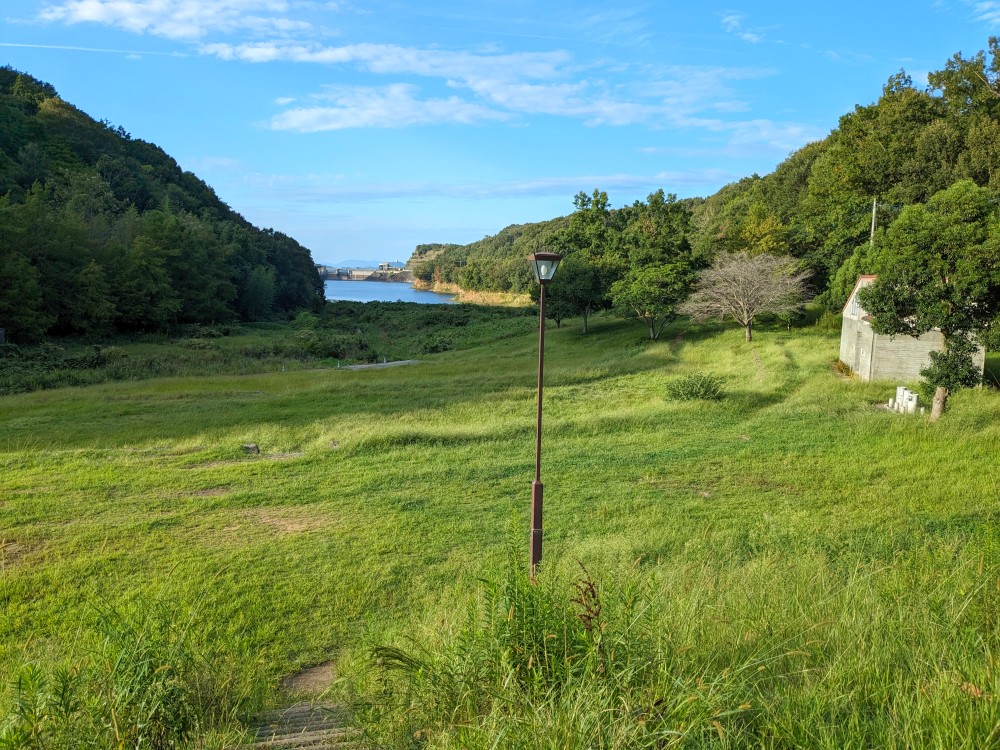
536	486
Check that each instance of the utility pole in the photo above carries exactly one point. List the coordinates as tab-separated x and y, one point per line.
871	239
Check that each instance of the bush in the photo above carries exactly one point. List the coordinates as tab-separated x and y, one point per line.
141	685
197	343
830	321
437	343
96	357
698	387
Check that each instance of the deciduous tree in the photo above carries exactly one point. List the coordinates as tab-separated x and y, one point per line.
743	286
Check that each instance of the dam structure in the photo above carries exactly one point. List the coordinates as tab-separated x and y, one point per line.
384	272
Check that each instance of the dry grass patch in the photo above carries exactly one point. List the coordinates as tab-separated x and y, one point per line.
250	458
297	520
310	681
12	551
212	492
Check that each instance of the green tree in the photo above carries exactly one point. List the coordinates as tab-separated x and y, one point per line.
652	294
94	302
940	269
576	289
257	296
22	310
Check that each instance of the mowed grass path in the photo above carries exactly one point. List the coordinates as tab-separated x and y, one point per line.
790	512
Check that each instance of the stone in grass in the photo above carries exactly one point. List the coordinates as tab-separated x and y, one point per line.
251	448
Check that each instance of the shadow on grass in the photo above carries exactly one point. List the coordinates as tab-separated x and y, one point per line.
991	376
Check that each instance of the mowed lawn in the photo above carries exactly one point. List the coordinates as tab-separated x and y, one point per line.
790	517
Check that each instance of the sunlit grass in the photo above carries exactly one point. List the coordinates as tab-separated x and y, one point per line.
851	552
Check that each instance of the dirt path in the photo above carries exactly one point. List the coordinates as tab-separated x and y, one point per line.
380	365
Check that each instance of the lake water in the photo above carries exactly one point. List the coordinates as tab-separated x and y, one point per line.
382	291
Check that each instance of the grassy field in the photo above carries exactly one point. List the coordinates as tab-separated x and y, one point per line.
785	567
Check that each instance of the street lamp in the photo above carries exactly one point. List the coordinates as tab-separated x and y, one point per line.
544	265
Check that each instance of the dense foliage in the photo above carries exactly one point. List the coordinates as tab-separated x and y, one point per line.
100	231
817	206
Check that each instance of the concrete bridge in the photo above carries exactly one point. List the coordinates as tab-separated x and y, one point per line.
384	272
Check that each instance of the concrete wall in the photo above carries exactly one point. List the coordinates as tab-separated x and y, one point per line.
875	357
903	357
856	339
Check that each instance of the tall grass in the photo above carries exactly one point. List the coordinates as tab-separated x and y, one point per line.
137	680
773	653
812	571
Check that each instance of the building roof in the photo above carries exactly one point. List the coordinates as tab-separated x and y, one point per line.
857	285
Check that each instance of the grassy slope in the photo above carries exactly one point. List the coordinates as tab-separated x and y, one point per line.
791	513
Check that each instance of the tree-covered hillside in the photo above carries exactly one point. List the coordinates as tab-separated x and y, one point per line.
100	231
817	206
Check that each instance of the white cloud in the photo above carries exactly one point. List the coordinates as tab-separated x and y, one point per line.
464	86
732	23
217	163
392	106
392	59
323	189
178	19
986	11
530	83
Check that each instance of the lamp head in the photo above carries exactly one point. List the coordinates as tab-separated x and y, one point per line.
544	265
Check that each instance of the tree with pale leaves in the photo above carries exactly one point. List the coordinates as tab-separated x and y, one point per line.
743	286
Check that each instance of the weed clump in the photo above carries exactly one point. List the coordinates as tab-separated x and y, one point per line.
139	685
535	663
697	387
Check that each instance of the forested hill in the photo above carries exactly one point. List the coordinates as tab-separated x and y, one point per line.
910	144
100	231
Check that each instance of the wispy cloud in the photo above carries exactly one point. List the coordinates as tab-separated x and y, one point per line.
179	19
732	23
986	11
393	106
325	188
72	48
850	57
615	24
461	86
389	59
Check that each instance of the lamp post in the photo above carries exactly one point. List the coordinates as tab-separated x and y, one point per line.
544	265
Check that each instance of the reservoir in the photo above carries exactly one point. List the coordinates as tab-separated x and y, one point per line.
382	291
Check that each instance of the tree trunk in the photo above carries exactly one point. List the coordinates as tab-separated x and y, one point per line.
586	314
940	397
748	330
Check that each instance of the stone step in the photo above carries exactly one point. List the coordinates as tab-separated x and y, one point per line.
305	726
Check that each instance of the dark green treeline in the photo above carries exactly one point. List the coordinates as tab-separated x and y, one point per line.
102	232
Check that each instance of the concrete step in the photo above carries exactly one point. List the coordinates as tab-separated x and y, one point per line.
305	726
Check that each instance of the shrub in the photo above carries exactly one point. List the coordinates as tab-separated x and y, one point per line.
197	343
829	321
437	343
697	387
141	685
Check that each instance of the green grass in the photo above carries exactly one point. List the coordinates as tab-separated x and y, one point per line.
343	333
788	547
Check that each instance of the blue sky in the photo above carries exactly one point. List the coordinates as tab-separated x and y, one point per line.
365	128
